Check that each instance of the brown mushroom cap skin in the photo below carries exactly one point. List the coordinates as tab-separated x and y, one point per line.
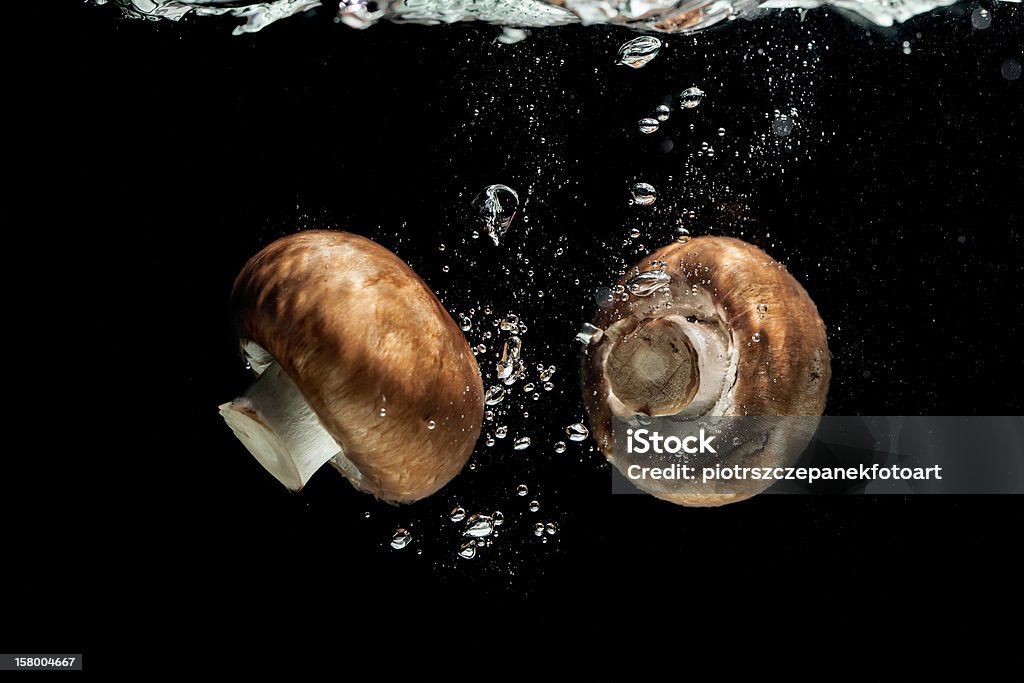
360	333
786	372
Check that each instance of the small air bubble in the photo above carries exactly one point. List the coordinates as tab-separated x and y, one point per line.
981	18
691	98
643	194
782	125
577	432
648	125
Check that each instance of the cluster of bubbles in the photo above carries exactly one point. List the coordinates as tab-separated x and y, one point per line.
642	193
513	380
510	370
478	531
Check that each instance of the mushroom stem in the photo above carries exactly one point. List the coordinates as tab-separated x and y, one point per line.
276	424
654	370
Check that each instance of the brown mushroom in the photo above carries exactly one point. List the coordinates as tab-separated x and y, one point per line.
359	365
716	328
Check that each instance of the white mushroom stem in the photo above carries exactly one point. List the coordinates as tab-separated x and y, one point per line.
279	428
678	366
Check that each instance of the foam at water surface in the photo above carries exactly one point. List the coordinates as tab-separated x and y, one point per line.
670	16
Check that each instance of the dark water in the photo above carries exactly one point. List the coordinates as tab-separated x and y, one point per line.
895	200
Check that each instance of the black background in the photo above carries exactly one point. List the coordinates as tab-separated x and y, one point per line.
896	201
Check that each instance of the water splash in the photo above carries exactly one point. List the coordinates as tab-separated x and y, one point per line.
257	15
666	16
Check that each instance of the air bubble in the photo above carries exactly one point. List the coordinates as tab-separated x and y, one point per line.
644	194
479	526
400	539
648	282
981	18
638	52
691	98
495	207
782	125
648	125
577	432
588	333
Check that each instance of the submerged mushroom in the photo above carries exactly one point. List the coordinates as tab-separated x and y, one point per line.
359	364
716	329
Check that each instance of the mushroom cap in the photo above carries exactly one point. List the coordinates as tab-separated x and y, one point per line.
785	373
373	352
